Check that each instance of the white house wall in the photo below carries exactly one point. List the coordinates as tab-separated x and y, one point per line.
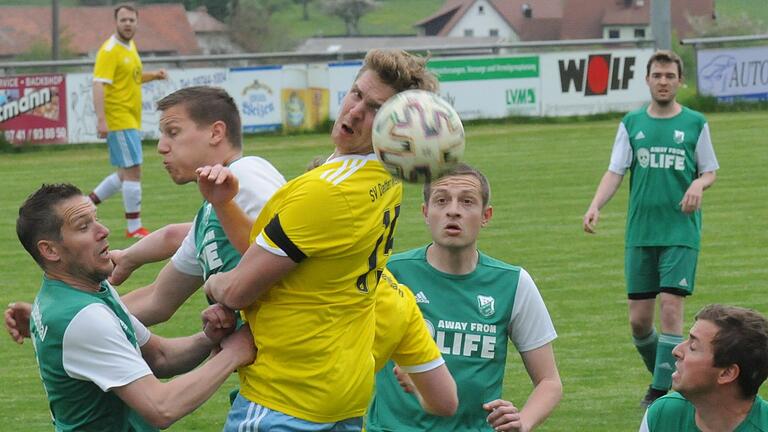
482	23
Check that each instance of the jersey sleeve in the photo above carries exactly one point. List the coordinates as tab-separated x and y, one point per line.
621	155
185	257
259	180
101	353
705	153
417	351
530	325
105	65
644	424
303	224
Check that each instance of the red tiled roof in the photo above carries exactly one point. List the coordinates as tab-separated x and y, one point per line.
163	28
543	25
574	19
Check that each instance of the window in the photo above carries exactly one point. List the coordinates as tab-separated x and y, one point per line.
469	32
481	9
639	33
493	32
613	34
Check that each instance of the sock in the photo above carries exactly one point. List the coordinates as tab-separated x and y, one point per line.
132	204
646	346
108	187
665	361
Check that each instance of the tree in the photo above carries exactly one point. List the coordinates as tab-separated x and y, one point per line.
350	11
250	23
304	8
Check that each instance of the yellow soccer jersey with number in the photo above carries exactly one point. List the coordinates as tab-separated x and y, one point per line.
119	67
315	327
401	332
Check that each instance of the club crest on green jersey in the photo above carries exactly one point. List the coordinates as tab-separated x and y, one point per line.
486	305
679	136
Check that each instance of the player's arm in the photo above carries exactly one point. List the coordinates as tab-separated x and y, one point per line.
546	394
159	74
257	271
163	403
16	318
98	106
608	186
219	186
159	245
158	301
435	389
692	199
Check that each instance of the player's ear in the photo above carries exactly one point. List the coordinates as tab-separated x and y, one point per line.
48	250
218	132
487	215
424	212
729	374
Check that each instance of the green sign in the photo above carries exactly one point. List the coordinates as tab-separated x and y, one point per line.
485	69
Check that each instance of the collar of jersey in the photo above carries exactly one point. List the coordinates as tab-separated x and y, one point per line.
369	156
119	42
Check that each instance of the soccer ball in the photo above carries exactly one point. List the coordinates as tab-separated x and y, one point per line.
418	136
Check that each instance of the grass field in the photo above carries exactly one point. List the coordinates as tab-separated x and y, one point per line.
543	177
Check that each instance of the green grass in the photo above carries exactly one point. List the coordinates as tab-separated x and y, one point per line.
543	177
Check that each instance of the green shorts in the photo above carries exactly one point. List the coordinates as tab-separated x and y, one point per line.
650	270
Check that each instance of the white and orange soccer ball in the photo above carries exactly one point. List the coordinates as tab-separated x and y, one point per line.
418	136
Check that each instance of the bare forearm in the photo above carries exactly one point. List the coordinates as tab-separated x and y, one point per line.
542	401
162	404
98	100
180	355
141	304
707	179
236	224
608	186
157	246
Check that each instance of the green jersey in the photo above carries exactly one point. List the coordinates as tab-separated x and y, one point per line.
471	317
86	343
206	250
664	155
674	413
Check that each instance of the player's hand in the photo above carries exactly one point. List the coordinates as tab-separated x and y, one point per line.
17	320
504	416
217	184
591	218
404	380
101	128
161	74
124	267
240	344
218	322
213	285
692	199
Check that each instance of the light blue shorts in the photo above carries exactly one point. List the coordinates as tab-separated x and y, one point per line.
247	416
124	148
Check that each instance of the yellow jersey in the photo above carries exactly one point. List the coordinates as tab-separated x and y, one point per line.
401	332
119	67
314	329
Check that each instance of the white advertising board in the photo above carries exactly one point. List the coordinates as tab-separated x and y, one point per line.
256	91
341	75
591	82
81	117
733	73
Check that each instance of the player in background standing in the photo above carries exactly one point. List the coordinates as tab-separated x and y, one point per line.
720	369
473	305
668	150
117	79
